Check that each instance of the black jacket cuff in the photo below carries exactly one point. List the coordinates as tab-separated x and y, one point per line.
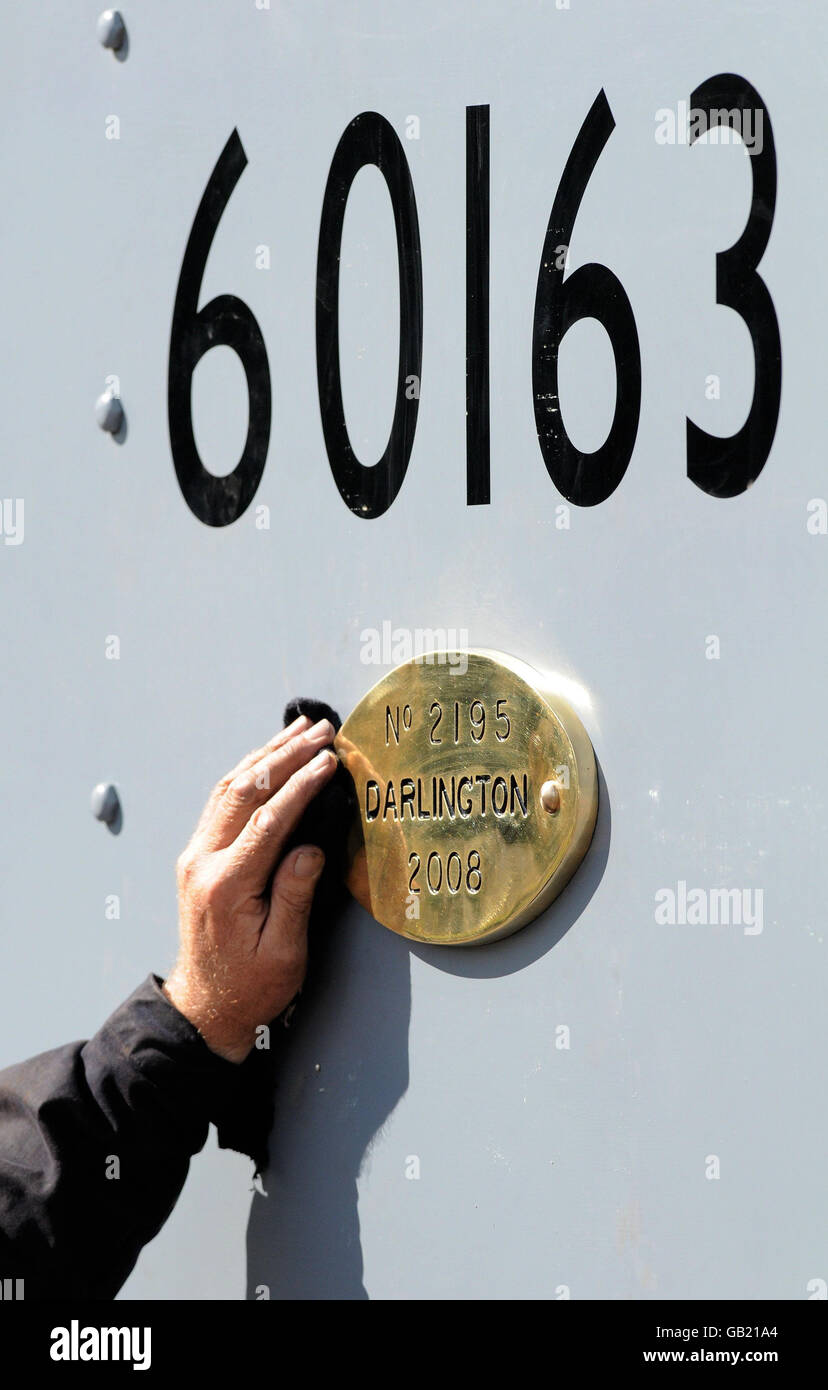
191	1085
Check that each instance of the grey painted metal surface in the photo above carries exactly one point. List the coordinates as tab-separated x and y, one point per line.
543	1169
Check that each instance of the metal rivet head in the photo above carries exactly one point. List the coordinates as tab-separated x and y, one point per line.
111	30
105	803
109	412
550	796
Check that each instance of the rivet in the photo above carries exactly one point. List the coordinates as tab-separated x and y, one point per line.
550	795
109	412
111	30
105	803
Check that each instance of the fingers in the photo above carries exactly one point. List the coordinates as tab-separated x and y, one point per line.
291	899
255	851
298	726
256	783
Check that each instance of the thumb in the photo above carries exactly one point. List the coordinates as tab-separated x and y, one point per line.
291	896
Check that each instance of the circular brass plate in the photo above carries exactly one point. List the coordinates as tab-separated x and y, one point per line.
451	843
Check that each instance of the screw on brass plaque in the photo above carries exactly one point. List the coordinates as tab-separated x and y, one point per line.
477	794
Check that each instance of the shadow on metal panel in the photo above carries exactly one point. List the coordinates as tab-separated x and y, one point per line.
303	1238
345	1069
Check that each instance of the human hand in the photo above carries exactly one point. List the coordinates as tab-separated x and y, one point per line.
243	945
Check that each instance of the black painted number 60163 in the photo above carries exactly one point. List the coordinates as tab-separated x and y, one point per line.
721	466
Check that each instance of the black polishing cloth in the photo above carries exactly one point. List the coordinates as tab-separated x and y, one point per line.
325	823
247	1120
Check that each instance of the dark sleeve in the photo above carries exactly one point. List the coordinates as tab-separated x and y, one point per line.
96	1139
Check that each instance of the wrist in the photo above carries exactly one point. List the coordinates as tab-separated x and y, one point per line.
202	1018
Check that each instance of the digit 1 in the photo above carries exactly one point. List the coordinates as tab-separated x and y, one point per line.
477	305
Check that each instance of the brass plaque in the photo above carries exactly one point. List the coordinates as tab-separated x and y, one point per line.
477	795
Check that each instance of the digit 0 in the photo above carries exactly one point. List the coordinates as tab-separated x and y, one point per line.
369	491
